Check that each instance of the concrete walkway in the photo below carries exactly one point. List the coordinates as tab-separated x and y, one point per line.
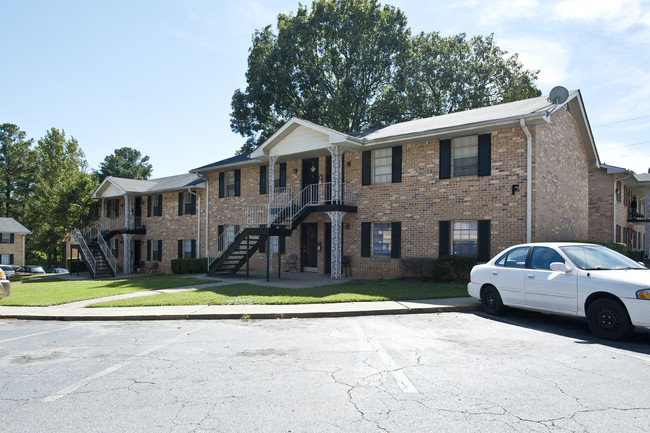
78	310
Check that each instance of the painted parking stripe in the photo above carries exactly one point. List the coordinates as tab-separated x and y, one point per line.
39	333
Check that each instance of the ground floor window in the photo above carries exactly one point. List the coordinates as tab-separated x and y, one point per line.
381	239
154	251
7	259
227	235
114	247
465	238
187	249
618	233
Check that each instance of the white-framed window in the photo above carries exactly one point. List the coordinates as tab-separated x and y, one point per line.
382	165
157	205
5	238
381	239
156	254
230	183
465	238
187	249
187	203
464	155
114	243
229	233
5	259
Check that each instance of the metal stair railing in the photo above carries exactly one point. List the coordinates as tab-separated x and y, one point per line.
108	254
88	255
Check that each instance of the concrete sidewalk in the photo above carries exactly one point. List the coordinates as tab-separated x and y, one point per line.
78	310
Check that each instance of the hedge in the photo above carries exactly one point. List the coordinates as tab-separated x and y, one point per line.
453	269
190	266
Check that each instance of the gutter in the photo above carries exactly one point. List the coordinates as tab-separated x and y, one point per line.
529	183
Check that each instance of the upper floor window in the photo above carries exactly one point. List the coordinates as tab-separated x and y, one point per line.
618	191
6	238
279	177
381	166
186	203
466	156
155	205
229	183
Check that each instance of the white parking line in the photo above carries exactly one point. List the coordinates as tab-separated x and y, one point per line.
72	388
39	333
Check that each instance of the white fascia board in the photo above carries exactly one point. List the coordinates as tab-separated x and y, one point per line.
583	115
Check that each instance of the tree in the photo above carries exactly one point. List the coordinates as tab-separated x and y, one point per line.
125	162
16	170
353	64
60	197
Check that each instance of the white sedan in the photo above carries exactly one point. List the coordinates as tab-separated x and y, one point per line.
611	290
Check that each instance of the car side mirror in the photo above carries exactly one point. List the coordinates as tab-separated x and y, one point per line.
560	267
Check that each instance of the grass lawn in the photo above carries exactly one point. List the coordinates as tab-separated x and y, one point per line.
46	291
243	294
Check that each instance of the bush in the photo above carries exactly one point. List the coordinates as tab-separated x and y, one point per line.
190	266
636	255
453	269
417	268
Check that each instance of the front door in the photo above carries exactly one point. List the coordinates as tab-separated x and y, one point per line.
309	177
309	247
137	257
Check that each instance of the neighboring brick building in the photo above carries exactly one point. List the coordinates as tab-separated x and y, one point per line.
619	209
12	242
468	183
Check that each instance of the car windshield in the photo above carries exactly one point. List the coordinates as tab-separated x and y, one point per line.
595	257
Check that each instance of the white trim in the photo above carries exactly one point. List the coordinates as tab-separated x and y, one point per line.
529	181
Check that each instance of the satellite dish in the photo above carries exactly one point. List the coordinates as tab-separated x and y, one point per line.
558	95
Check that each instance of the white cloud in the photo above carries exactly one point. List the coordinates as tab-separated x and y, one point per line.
636	158
550	57
616	15
496	12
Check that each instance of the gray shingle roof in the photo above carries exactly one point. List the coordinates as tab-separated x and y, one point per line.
232	160
10	225
161	184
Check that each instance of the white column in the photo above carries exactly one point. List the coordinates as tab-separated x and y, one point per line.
103	215
127	211
271	184
337	154
127	253
337	247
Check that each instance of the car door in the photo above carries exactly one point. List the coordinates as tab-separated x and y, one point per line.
547	289
508	275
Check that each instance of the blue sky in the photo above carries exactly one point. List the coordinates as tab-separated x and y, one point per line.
159	75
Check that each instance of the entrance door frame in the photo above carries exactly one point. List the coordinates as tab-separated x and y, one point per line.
305	248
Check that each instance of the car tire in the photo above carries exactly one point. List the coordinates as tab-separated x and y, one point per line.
491	301
608	319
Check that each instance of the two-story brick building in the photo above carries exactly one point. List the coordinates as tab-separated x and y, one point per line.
468	183
12	242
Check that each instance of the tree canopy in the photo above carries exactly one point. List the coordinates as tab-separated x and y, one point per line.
353	64
125	162
16	170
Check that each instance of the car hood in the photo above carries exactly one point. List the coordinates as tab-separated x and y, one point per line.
636	277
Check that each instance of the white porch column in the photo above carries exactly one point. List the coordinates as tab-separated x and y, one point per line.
336	241
337	154
127	253
127	211
103	215
271	184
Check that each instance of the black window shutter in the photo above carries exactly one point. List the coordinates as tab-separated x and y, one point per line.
282	244
11	259
263	246
365	239
484	154
445	159
220	230
11	238
149	205
160	205
180	203
180	249
283	175
160	251
263	179
366	168
193	248
397	164
444	238
148	250
483	240
395	239
237	183
221	184
193	204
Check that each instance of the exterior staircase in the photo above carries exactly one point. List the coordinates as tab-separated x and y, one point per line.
95	253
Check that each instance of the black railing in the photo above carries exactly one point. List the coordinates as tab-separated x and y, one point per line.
634	216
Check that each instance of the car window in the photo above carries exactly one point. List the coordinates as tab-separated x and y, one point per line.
542	257
515	258
599	258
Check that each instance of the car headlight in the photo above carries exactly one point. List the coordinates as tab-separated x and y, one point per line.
643	294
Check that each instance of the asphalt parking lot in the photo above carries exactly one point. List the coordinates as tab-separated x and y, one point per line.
406	373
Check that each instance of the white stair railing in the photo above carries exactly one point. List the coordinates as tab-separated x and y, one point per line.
108	254
90	258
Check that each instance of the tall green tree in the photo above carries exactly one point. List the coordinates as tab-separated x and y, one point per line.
353	64
16	170
125	162
60	197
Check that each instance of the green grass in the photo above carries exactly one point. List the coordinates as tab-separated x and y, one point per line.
46	291
244	294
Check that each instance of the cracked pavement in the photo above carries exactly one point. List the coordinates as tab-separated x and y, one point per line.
525	372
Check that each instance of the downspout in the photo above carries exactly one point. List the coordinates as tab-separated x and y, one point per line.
614	222
207	210
529	182
198	219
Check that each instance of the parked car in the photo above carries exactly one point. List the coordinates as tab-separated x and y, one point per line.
58	271
8	270
609	289
29	270
5	285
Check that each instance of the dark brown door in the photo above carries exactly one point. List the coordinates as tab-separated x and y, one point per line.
309	247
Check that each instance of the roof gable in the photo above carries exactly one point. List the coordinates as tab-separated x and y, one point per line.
10	225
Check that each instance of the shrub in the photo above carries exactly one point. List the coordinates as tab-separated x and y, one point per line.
636	255
417	268
453	269
190	266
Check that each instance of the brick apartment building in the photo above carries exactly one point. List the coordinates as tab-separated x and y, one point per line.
468	183
12	242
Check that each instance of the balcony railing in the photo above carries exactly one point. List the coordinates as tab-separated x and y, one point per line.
118	224
634	216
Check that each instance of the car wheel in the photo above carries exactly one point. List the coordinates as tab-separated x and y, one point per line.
491	301
608	319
